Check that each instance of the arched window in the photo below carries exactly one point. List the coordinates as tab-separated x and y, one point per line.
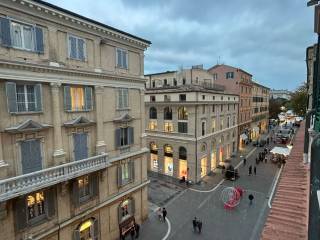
87	230
182	113
126	209
153	113
182	153
203	147
168	150
221	139
153	148
167	113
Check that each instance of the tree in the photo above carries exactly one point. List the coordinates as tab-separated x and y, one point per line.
299	100
275	105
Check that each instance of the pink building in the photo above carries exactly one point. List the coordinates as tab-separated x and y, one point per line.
239	82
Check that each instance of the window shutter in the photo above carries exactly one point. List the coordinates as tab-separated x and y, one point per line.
119	57
132	170
119	175
117	137
50	196
39	40
130	135
124	59
88	98
95	229
5	32
67	98
94	178
81	49
72	47
20	213
76	235
125	97
11	97
120	98
38	93
75	193
132	206
119	213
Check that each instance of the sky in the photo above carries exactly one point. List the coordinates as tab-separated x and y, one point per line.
265	38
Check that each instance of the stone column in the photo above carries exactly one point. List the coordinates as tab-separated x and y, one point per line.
97	55
100	144
142	120
58	153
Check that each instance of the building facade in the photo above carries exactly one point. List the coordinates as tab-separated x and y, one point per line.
260	110
73	162
191	125
237	81
284	94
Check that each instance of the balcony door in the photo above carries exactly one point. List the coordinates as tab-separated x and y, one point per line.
80	143
31	156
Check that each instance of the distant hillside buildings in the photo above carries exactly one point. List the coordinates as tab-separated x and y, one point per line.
284	94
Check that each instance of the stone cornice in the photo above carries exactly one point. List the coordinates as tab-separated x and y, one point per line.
102	29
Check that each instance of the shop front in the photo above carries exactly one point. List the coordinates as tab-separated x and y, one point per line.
154	157
126	217
168	160
87	230
203	169
183	165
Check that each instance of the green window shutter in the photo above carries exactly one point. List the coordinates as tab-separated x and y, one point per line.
20	213
76	235
75	193
117	137
11	97
5	32
81	49
50	197
39	40
88	98
38	93
125	94
67	98
132	206
94	181
119	175
130	135
120	98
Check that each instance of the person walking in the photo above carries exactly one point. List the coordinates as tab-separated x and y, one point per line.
265	159
244	161
194	224
164	214
132	233
250	170
137	228
255	170
199	226
159	213
251	197
257	162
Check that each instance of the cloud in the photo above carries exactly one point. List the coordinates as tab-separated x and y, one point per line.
265	38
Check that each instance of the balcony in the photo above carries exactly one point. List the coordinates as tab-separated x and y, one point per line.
23	184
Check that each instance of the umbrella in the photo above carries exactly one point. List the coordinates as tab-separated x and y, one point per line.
281	150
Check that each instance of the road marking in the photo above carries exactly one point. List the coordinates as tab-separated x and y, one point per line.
169	229
274	186
213	189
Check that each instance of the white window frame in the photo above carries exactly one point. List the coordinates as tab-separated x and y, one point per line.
127	58
125	104
26	103
84	47
22	36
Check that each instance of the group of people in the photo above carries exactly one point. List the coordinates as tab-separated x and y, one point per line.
162	214
197	225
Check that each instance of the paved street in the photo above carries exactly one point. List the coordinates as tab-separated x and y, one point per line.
244	222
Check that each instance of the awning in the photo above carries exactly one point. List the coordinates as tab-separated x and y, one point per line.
243	136
281	150
256	129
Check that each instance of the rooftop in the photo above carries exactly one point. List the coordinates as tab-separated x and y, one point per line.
288	217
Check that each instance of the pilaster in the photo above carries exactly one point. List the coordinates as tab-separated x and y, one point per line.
58	154
100	143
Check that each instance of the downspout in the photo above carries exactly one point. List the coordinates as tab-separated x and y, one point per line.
195	132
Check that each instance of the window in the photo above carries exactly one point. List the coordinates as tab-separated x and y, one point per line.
228	107
124	137
203	97
77	98
174	82
168	126
126	209
36	205
229	75
88	230
213	108
153	124
182	113
122	58
153	113
228	122
221	124
234	121
167	113
203	128
221	107
183	127
152	98
182	120
24	97
31	156
213	125
125	172
84	188
215	76
234	107
203	109
182	97
165	82
123	98
184	81
167	98
77	48
182	153
213	97
203	147
153	84
20	35
221	98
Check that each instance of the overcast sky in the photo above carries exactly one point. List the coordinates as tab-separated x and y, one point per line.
266	38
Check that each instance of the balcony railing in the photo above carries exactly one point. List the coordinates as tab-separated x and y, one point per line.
20	185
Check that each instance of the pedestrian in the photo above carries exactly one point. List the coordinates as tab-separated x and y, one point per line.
164	214
257	162
159	213
244	161
137	228
250	198
255	170
265	159
132	233
194	224
250	170
199	226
